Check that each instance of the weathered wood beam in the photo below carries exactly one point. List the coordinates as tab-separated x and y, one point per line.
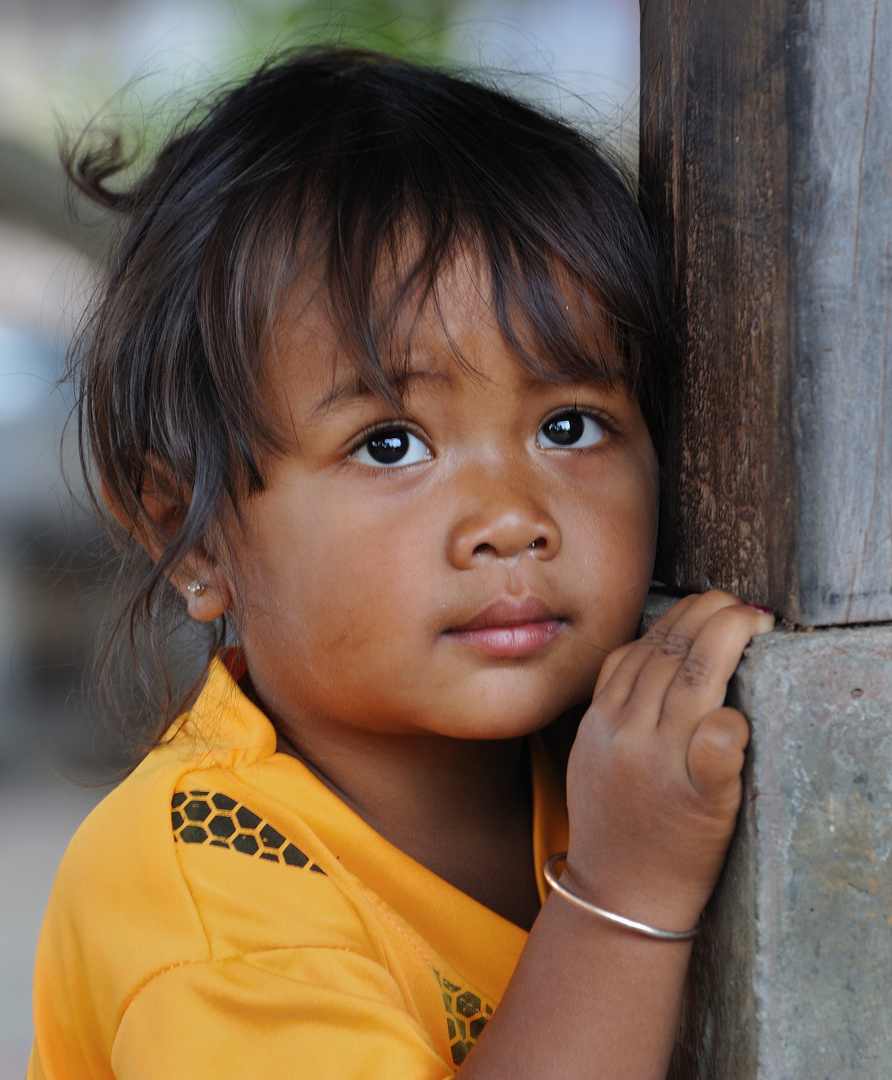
766	148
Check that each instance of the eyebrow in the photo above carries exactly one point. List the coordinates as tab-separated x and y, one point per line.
357	389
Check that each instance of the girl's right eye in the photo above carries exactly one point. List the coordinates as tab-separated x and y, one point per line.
390	447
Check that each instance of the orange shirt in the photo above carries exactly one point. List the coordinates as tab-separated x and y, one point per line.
223	913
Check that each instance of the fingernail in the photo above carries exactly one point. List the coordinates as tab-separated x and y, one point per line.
761	610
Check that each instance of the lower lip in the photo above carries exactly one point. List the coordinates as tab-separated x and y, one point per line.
510	641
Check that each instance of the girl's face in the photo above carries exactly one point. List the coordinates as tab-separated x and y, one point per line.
460	567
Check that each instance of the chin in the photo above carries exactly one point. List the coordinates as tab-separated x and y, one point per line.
501	720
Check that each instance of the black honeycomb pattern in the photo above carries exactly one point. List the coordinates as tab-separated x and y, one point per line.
466	1016
205	817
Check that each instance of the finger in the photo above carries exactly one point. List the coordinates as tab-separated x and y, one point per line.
685	652
715	755
620	670
611	664
701	678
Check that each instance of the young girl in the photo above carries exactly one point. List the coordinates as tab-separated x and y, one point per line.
376	378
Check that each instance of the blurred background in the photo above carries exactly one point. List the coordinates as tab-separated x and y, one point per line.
61	63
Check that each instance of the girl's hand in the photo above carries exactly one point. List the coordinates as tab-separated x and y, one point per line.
654	776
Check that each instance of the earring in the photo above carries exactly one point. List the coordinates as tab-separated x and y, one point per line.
195	587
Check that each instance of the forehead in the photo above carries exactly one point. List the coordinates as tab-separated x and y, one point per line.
429	338
435	327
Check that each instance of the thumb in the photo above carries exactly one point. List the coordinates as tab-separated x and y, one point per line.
715	754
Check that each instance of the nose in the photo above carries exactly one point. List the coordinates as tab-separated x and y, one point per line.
501	519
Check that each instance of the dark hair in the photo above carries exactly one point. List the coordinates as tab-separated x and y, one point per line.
337	161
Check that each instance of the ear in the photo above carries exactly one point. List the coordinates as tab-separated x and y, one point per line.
199	578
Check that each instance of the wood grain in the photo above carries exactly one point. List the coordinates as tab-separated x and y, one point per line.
767	156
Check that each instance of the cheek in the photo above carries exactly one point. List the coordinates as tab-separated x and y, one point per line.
620	513
639	516
638	495
352	580
614	546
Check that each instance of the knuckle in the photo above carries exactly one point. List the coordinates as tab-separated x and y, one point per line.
656	635
677	642
697	669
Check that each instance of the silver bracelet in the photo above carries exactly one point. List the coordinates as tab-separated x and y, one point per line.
611	916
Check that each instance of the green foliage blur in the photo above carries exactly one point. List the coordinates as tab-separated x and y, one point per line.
416	29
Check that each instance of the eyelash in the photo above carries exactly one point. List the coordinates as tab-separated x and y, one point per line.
402	427
603	422
384	428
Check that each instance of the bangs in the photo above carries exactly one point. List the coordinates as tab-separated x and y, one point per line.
378	284
392	175
551	320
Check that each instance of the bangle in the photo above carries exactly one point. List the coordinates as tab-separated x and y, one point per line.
611	916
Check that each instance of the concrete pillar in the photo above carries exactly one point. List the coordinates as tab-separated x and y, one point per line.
766	152
791	978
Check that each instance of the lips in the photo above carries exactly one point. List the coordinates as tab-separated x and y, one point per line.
509	628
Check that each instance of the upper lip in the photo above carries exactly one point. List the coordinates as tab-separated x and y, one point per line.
509	612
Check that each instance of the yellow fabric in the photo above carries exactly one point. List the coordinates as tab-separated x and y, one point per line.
162	955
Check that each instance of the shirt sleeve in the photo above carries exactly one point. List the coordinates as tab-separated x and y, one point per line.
315	1013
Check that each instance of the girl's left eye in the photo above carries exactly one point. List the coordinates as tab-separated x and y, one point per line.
569	430
389	447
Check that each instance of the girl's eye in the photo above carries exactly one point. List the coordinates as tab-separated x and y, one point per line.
570	429
390	447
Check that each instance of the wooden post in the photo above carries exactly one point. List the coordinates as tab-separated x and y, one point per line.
766	153
766	147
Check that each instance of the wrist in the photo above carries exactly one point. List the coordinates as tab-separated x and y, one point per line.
633	911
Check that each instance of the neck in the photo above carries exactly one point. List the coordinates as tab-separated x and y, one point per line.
400	784
461	808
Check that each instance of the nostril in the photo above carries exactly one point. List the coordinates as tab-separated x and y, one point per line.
539	542
484	549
